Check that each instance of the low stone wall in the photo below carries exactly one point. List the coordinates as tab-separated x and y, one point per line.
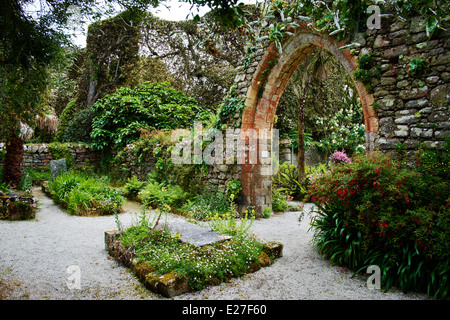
287	154
220	174
17	206
38	156
171	284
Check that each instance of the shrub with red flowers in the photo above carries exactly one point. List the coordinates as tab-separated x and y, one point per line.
375	211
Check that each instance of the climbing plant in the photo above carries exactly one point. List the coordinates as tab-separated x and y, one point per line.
120	116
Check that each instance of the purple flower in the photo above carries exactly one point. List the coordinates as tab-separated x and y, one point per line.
339	157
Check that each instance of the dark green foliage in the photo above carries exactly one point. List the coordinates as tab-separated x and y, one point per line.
230	106
207	204
82	195
363	72
79	127
132	187
419	65
365	62
67	114
157	195
37	176
375	211
287	181
120	116
362	75
233	190
279	201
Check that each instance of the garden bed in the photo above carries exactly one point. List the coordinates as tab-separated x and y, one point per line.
169	264
83	195
17	206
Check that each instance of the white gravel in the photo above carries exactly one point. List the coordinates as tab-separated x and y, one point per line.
35	255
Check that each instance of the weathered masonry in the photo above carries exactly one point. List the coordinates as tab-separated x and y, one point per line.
399	106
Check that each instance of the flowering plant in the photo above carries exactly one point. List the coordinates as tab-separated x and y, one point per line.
339	157
375	211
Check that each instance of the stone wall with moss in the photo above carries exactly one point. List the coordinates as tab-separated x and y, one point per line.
407	73
400	71
410	83
39	155
17	206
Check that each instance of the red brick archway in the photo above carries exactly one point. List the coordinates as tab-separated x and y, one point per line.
266	88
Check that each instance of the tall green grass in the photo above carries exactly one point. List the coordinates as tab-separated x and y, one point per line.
82	195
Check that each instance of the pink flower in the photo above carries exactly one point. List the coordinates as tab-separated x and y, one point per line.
339	157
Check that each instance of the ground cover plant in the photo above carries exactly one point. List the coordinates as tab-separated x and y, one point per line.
377	211
206	205
82	195
287	180
165	253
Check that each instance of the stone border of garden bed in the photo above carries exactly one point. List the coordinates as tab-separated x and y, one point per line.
17	206
171	284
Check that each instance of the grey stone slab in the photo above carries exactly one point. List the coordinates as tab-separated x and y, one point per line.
194	234
57	167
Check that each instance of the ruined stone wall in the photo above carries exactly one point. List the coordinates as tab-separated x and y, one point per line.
38	156
411	109
216	176
401	108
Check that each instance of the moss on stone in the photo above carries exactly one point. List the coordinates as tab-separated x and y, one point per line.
264	259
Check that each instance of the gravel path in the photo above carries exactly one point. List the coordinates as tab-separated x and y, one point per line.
35	255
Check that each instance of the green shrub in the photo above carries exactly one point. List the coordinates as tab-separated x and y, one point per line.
61	187
287	181
25	182
266	213
67	115
207	204
279	201
233	190
156	194
120	116
375	211
36	176
79	127
132	187
227	224
84	196
91	197
365	62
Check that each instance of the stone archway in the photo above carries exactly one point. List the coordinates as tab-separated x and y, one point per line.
265	89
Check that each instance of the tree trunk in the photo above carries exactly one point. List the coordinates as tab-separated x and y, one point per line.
301	136
13	162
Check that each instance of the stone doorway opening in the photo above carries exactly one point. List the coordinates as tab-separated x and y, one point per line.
267	86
